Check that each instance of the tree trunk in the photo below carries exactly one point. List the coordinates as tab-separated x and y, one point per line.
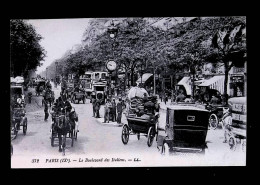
226	68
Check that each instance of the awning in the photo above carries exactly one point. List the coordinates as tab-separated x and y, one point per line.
216	82
185	82
144	77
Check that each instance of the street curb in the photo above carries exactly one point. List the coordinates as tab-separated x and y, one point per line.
113	124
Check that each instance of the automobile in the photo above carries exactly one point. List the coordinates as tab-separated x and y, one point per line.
185	130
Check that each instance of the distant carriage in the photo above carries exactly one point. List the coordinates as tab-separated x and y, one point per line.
79	96
19	119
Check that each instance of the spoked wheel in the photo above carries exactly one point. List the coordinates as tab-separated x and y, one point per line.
25	127
72	137
213	121
138	136
165	149
15	130
52	140
12	150
125	134
232	143
243	145
151	134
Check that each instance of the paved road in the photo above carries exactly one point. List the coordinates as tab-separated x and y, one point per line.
97	139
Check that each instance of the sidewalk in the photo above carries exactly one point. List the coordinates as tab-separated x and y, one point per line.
115	124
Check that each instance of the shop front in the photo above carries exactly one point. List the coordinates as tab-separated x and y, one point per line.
237	86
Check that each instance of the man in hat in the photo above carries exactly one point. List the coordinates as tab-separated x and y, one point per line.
93	101
97	107
214	100
107	107
45	103
113	103
119	107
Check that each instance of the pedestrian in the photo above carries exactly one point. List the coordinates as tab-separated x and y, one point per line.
97	107
113	110
214	100
165	98
93	101
180	97
107	111
119	107
161	96
45	103
30	97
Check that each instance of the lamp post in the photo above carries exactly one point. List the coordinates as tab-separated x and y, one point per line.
192	71
112	31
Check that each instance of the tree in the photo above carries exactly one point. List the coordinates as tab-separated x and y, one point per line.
26	51
229	43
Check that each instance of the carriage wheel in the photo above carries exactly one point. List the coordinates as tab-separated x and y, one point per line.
243	145
138	136
76	135
72	137
213	121
232	143
165	149
15	130
12	150
151	134
25	127
125	134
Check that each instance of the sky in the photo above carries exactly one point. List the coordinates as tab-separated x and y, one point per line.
59	35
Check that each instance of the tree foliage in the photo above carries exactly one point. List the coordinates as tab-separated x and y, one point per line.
26	51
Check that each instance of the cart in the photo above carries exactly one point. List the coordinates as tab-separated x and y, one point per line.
62	129
237	134
216	113
144	125
18	120
78	96
185	130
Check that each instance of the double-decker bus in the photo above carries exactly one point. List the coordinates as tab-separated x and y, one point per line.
99	84
86	82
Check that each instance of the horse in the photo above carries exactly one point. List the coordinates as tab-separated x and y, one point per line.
64	125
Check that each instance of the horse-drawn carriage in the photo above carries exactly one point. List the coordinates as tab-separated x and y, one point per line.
18	120
64	126
237	129
40	87
78	96
216	114
140	121
185	130
49	96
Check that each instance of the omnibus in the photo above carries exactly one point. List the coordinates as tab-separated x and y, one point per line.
86	82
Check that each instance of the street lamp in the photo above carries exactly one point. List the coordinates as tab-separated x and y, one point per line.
112	31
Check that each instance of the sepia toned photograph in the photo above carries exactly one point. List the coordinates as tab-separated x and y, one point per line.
128	92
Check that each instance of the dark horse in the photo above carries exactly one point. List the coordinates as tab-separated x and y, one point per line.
49	96
66	125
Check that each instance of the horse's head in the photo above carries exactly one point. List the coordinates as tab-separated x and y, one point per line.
73	115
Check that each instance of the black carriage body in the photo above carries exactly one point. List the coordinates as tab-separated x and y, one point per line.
186	128
141	124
